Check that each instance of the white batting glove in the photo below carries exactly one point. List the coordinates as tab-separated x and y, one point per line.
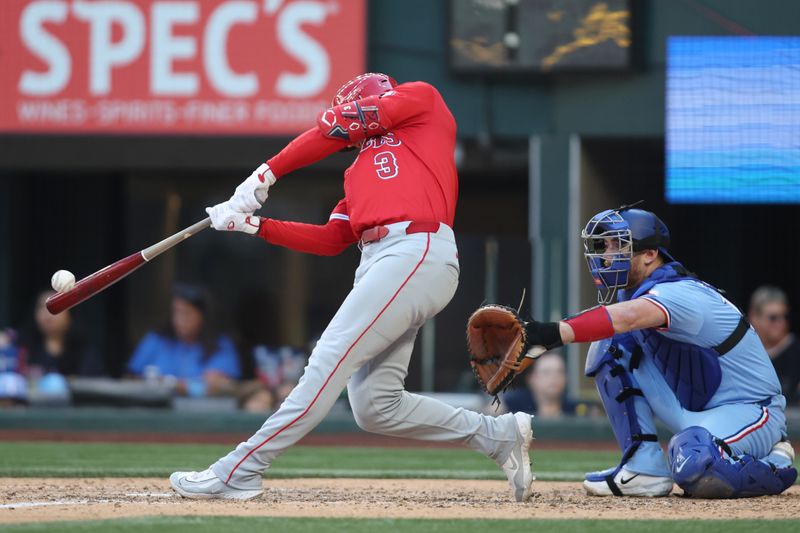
225	218
252	192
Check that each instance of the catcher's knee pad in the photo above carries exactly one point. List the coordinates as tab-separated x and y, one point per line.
617	391
700	467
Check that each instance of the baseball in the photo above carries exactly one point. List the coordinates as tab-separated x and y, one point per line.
63	280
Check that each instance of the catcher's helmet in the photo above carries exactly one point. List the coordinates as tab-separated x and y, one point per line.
363	85
610	239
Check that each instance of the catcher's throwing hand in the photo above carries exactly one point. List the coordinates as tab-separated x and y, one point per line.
502	345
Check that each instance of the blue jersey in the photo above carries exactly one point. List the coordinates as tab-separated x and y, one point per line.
697	314
184	361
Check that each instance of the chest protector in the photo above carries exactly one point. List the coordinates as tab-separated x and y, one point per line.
692	372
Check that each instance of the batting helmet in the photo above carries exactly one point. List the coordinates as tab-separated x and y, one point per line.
610	239
363	85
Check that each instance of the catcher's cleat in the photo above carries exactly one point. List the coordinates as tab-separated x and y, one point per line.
517	466
206	485
626	483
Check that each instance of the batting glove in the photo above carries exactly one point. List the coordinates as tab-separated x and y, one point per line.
252	192
225	218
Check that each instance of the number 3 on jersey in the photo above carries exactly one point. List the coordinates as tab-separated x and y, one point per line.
385	165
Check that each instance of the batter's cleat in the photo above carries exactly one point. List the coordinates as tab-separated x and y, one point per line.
206	485
626	483
518	465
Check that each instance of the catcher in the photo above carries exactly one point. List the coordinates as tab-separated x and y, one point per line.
673	348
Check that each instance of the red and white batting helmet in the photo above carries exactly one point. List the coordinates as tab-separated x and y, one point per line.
363	85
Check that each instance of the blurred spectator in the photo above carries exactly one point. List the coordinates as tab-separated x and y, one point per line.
544	392
274	370
279	369
13	387
255	397
769	315
188	349
9	359
55	344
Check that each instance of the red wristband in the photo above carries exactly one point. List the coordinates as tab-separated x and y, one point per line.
591	325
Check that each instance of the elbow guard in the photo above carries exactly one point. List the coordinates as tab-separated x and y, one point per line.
353	121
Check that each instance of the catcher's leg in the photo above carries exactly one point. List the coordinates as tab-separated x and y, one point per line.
751	456
704	467
643	469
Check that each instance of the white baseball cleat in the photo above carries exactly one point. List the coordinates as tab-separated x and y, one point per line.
627	483
518	465
206	485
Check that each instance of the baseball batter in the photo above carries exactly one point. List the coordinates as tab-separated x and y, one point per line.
399	204
674	348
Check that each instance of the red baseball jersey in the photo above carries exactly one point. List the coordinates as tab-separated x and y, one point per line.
329	239
407	173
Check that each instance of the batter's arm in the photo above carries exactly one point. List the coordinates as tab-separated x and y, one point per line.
407	103
352	122
394	109
307	148
318	239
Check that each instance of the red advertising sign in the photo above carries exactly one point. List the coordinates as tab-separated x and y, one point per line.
174	66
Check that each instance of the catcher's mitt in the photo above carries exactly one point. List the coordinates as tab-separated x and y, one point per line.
498	343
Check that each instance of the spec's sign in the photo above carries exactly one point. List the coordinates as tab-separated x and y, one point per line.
174	66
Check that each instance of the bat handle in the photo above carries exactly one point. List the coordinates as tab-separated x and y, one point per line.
158	248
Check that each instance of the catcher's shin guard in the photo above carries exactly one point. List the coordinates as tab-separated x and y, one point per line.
618	392
700	467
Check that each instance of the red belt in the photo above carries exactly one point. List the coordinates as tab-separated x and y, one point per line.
379	232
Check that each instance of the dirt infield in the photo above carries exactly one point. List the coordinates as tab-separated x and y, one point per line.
46	499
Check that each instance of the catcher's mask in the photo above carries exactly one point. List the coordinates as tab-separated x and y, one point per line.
611	238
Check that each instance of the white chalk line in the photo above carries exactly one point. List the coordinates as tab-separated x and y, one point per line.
23	505
20	505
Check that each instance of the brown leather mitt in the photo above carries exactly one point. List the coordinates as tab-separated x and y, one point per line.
497	342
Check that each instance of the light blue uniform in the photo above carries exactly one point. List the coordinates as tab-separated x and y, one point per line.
184	361
746	411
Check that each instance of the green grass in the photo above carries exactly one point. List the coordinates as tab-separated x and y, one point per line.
59	459
62	459
322	525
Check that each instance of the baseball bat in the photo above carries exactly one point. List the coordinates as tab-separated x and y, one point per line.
107	276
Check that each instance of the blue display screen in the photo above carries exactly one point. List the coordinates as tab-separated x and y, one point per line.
733	120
